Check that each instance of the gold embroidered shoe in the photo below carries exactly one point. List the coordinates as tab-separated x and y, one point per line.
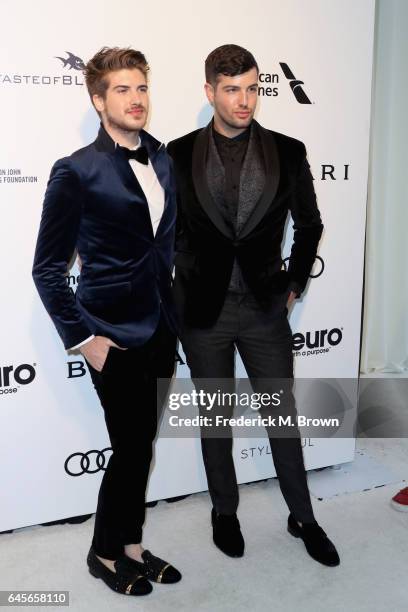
126	580
153	568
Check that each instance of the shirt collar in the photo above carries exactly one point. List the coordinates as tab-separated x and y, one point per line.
130	148
244	136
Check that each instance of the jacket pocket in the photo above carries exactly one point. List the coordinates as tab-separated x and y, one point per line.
110	291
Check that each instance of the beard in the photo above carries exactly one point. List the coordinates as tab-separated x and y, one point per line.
126	126
235	123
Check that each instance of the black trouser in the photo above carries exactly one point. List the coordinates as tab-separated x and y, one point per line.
128	393
264	342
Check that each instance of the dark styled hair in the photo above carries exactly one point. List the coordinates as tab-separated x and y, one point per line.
108	60
229	60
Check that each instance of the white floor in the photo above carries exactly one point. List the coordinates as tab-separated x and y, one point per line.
275	574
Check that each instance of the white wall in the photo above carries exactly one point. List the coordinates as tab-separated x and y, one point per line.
385	331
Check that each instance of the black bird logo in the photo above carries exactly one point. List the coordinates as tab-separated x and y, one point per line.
295	85
72	61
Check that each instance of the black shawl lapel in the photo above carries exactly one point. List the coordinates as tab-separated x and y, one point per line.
199	161
272	175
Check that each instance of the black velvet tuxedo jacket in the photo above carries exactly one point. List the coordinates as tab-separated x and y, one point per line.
206	246
95	203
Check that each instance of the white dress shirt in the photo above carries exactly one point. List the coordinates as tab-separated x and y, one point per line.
154	193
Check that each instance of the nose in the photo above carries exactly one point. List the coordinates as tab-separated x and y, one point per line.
243	101
135	98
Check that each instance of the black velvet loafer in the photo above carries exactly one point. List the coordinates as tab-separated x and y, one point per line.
153	568
317	544
227	534
128	581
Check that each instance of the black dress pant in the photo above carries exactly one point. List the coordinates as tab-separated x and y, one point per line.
127	390
264	342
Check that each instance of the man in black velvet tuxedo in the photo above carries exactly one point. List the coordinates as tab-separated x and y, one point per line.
237	182
114	201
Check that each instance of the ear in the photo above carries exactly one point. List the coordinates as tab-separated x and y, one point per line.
209	92
98	102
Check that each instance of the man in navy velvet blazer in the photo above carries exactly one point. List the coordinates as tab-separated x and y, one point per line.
114	201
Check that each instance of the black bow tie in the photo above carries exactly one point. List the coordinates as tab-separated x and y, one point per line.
139	154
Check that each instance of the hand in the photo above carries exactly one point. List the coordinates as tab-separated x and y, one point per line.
96	351
291	299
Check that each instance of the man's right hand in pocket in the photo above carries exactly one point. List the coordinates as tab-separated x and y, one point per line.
96	351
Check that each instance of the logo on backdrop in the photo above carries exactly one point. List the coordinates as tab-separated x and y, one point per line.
71	65
76	369
269	84
73	281
332	173
295	85
316	342
12	378
262	451
72	61
15	175
90	462
179	360
317	270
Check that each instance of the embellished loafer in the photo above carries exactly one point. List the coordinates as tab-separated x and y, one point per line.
126	580
317	544
227	534
153	568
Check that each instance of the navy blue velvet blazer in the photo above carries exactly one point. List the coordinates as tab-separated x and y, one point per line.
95	204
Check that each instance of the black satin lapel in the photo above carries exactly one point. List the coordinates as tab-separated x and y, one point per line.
200	182
272	176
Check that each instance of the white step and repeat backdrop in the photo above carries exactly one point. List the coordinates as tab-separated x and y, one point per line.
315	59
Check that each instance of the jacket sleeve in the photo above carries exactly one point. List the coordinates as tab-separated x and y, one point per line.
307	225
55	247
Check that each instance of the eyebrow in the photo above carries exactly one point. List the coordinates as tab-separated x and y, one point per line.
129	86
238	87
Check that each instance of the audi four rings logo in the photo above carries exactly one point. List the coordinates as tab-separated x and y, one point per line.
317	270
87	463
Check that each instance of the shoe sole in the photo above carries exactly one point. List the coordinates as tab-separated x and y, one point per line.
92	573
165	581
114	590
295	534
229	554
